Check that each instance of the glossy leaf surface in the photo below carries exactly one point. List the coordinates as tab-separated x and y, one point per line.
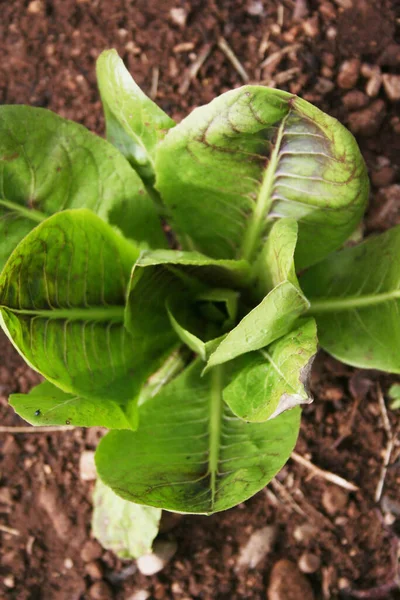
47	404
134	123
62	303
274	379
254	155
355	298
49	164
190	453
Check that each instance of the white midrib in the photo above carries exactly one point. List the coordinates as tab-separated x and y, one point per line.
264	199
215	428
327	305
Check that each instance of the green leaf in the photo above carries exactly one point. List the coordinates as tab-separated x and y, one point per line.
394	395
62	304
134	123
125	528
275	263
190	453
169	274
274	379
355	298
46	404
48	164
255	155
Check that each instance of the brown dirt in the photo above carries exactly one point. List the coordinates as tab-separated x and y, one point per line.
47	57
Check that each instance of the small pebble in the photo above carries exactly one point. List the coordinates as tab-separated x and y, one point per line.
288	583
260	543
35	7
68	563
348	73
255	8
140	595
9	581
95	570
368	121
163	551
309	563
91	551
391	83
323	86
305	533
87	467
334	500
374	82
178	16
355	99
383	177
311	27
101	591
344	583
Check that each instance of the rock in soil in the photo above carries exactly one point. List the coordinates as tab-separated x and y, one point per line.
349	73
288	583
101	591
260	543
91	551
309	563
305	533
95	570
367	122
87	467
163	551
334	500
391	83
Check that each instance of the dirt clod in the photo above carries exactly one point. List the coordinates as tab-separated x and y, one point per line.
334	499
101	591
91	551
288	583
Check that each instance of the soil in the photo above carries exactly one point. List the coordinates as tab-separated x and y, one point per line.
47	58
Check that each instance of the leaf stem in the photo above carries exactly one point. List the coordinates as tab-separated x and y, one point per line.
327	305
29	213
215	425
264	199
96	313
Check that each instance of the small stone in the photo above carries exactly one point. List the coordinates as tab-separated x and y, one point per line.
305	533
309	563
140	595
91	551
9	581
163	551
35	7
348	73
95	570
333	393
334	500
323	86
383	177
178	16
288	583
5	496
87	467
355	99
344	583
68	563
368	121
101	591
391	83
311	27
255	8
259	544
374	82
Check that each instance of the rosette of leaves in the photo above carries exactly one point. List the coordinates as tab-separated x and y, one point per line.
194	350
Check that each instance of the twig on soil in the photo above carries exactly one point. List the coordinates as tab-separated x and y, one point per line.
9	530
233	59
154	83
348	428
389	446
31	429
286	496
194	68
340	481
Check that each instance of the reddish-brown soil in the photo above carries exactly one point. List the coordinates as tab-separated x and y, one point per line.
47	58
